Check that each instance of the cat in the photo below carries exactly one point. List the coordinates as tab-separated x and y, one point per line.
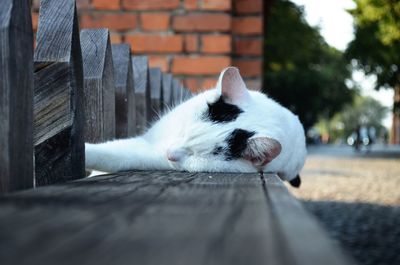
226	129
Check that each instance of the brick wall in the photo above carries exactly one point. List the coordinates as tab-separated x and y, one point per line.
193	39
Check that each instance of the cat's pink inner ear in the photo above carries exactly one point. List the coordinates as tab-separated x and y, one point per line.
232	86
262	150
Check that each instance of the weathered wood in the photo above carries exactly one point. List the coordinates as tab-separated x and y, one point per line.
167	90
156	93
125	106
145	218
99	85
186	94
142	91
162	218
177	91
304	240
16	96
58	100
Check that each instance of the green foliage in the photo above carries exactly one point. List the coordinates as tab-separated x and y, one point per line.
376	47
302	72
364	111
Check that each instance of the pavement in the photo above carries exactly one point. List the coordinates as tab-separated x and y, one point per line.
356	197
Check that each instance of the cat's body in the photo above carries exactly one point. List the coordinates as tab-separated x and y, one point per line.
227	129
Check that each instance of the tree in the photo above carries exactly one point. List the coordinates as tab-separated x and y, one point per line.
363	111
376	46
302	71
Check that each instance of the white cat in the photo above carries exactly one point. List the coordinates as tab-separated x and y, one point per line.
226	129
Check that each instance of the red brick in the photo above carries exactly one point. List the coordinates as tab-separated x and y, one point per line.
248	47
247	25
115	38
248	6
155	21
249	67
191	4
141	43
35	20
209	83
216	43
106	4
192	83
199	65
202	22
159	61
112	21
150	4
191	43
222	5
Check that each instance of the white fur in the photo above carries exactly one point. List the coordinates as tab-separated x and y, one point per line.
182	140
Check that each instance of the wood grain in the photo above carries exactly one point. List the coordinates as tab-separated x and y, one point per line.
167	90
125	106
58	100
156	93
162	218
143	218
304	240
16	96
177	91
140	65
99	85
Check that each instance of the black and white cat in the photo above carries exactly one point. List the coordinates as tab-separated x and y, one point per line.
226	129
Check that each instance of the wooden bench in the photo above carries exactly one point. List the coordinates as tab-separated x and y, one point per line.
81	88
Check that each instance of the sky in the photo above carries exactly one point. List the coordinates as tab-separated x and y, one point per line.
336	26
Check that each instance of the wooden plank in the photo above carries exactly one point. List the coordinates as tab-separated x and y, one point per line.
156	93
177	91
304	240
16	96
140	65
99	85
58	101
167	90
125	107
186	94
145	218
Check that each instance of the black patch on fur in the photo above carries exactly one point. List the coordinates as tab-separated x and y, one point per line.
217	150
220	111
237	143
296	182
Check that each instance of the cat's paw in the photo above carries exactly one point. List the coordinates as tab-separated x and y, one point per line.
177	154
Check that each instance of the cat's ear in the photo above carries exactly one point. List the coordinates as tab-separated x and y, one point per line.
261	150
231	86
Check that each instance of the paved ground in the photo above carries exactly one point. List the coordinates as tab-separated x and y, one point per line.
357	198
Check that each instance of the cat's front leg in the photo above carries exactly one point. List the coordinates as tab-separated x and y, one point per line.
127	154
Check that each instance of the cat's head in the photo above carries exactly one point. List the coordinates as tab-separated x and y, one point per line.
228	123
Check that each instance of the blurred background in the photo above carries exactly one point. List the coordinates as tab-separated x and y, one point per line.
335	63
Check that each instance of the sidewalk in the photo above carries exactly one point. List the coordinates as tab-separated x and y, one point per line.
357	197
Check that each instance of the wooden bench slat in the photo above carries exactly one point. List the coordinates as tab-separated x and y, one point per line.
16	96
145	218
99	85
58	109
125	105
167	90
304	240
177	91
140	67
156	93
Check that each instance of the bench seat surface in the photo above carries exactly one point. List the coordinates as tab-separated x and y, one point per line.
162	218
